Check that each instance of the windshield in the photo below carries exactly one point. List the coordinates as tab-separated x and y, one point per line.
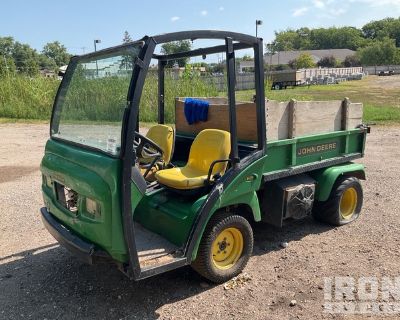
91	102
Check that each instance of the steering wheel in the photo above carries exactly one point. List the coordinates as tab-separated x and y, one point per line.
146	148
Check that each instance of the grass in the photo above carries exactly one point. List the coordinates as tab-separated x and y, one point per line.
30	100
27	98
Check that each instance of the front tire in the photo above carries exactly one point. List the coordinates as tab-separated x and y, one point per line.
225	248
343	205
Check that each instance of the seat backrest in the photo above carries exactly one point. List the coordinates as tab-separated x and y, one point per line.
208	146
163	136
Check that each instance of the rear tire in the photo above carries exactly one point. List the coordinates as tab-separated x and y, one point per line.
225	248
343	205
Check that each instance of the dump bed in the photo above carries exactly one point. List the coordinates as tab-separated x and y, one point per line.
285	120
301	135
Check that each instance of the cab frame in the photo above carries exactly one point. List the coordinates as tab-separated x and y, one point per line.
233	41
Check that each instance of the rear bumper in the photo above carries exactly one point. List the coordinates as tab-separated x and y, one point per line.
83	250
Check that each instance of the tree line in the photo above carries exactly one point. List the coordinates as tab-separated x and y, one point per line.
22	58
376	43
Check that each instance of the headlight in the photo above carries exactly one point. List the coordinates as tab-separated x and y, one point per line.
93	208
46	180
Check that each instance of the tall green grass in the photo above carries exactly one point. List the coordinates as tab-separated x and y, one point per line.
101	99
104	99
27	98
195	86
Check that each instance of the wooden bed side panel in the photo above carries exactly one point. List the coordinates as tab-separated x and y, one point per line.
277	114
285	120
218	118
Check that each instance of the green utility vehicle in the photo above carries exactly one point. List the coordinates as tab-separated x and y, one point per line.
188	193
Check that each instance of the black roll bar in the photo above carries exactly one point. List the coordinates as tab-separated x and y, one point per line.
230	63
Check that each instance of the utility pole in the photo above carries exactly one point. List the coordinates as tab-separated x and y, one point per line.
95	49
258	23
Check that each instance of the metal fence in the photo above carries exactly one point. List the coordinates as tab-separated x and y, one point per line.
246	81
376	69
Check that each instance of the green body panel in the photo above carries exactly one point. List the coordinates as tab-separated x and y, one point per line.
170	215
326	177
93	175
283	154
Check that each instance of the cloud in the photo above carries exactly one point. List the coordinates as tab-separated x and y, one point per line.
338	7
204	12
331	8
380	3
221	8
175	18
319	4
338	11
299	12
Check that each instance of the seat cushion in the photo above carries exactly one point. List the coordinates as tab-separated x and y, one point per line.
163	136
181	178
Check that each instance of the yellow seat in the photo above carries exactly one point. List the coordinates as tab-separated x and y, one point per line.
209	145
163	136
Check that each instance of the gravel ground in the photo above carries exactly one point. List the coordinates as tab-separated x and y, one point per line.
40	280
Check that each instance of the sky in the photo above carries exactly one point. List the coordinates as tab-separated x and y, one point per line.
77	23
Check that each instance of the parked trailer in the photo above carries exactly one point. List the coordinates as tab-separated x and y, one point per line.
286	78
152	202
291	78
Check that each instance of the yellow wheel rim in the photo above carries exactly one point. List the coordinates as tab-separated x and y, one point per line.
348	203
227	248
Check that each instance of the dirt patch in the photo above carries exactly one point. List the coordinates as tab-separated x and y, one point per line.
10	173
39	279
392	82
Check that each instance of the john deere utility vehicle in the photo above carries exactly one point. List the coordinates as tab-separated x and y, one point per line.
187	193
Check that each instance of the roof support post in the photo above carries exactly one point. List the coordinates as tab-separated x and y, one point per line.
161	90
260	94
231	77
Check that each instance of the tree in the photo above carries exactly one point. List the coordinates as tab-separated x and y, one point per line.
127	38
26	59
321	38
175	47
217	68
379	53
127	60
386	28
7	66
47	63
6	46
58	52
327	62
304	61
247	57
352	61
336	38
284	41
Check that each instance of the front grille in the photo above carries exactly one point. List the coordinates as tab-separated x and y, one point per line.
67	197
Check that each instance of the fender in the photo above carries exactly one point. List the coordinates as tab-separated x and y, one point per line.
250	199
327	177
239	189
